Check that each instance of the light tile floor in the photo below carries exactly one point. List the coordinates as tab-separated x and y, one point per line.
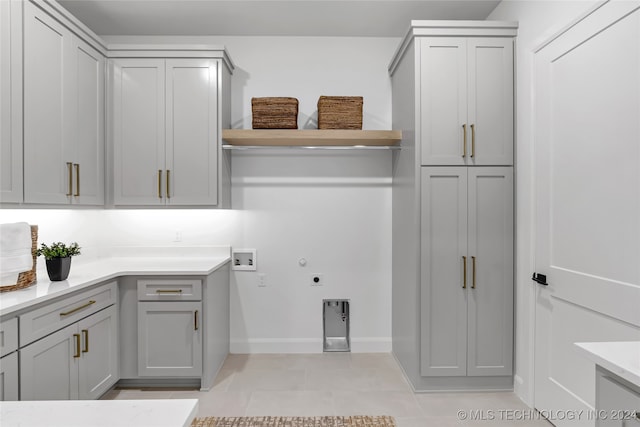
338	384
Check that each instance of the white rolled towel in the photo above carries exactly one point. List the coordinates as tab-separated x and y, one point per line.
15	248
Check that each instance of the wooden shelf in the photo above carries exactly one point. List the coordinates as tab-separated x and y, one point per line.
311	137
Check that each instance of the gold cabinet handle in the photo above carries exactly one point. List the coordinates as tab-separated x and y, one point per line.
66	313
464	272
160	183
70	172
464	140
168	291
473	141
473	267
85	338
76	338
195	321
168	179
77	167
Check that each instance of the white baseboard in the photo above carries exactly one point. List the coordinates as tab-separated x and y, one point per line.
305	345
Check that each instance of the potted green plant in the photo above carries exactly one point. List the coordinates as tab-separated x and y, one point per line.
58	259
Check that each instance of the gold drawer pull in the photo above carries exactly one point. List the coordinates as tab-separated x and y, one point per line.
66	313
160	183
70	172
77	167
85	336
473	260
76	338
473	141
464	272
464	140
168	183
168	291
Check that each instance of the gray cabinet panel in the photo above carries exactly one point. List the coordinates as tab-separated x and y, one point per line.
443	298
490	241
467	271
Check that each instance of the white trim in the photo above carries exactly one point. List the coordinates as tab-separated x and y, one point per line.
452	29
304	345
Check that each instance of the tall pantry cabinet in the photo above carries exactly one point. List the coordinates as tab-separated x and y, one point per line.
453	205
167	109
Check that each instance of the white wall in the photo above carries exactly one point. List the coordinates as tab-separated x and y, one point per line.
332	208
538	21
96	229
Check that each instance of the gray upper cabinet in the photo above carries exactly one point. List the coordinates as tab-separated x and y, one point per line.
63	114
466	101
467	271
165	116
10	102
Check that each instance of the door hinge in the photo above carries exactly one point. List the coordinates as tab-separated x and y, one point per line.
540	278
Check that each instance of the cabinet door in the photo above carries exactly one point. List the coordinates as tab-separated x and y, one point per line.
47	153
49	367
10	102
138	131
490	240
192	132
619	405
88	125
169	339
443	101
99	362
443	322
9	377
490	100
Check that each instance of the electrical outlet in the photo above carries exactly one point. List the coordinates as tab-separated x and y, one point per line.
317	280
262	280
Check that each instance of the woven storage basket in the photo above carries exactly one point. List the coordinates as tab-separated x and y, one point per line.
26	278
340	112
274	113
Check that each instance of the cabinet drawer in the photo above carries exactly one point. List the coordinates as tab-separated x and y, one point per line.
169	290
56	315
8	336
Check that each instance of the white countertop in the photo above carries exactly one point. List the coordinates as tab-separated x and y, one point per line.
130	262
99	413
621	357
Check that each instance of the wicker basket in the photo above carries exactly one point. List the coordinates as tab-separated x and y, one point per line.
274	113
340	112
26	278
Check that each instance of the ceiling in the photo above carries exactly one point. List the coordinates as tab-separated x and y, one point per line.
351	18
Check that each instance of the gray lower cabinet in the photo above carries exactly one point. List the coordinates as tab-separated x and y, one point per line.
170	339
169	327
9	359
79	361
467	271
9	377
617	401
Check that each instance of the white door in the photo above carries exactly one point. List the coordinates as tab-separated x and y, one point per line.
138	122
490	250
490	100
170	339
588	198
443	101
49	367
48	156
88	125
192	132
99	362
444	280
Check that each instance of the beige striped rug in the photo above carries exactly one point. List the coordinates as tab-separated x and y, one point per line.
354	421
